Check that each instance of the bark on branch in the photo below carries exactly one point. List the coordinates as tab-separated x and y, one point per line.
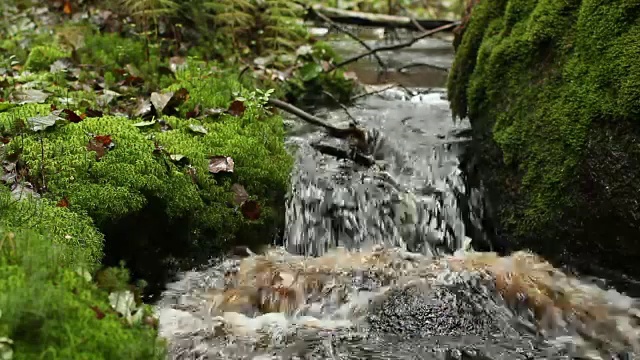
377	20
358	135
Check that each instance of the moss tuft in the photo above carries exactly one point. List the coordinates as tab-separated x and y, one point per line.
41	57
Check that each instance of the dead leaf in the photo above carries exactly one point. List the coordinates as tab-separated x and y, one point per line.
63	202
159	101
144	123
240	194
39	123
219	164
29	96
178	98
236	108
144	109
92	113
193	113
100	144
5	139
251	210
167	102
67	7
106	97
214	112
105	140
72	116
198	128
133	80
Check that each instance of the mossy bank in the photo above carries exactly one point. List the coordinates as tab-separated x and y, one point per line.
126	155
552	90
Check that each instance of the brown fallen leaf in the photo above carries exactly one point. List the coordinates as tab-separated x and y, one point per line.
93	113
219	164
63	202
236	108
240	194
193	113
100	144
71	116
67	9
251	209
133	80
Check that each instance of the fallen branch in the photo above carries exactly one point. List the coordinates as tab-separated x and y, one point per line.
395	46
359	96
403	69
352	132
348	33
377	20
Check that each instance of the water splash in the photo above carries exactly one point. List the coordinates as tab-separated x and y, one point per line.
408	199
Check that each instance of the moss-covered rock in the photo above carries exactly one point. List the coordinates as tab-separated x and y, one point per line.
544	84
145	201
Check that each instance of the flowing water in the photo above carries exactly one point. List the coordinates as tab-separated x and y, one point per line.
376	262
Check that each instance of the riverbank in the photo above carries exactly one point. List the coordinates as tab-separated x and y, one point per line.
128	152
551	92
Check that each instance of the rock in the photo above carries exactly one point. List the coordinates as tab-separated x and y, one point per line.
553	114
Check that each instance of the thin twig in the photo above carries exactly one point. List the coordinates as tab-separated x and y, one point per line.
352	131
412	65
356	97
395	46
343	106
349	34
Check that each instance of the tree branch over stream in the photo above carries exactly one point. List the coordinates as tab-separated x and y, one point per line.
359	136
348	33
395	46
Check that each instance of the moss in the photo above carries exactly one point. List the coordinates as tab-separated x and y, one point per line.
132	178
41	57
65	228
73	320
537	75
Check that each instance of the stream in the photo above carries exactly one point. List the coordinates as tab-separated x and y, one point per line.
378	262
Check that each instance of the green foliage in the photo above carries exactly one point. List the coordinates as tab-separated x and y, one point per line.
268	26
51	311
70	230
41	57
539	75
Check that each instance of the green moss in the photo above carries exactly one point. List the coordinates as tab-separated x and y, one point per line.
124	180
51	311
537	75
71	230
41	57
